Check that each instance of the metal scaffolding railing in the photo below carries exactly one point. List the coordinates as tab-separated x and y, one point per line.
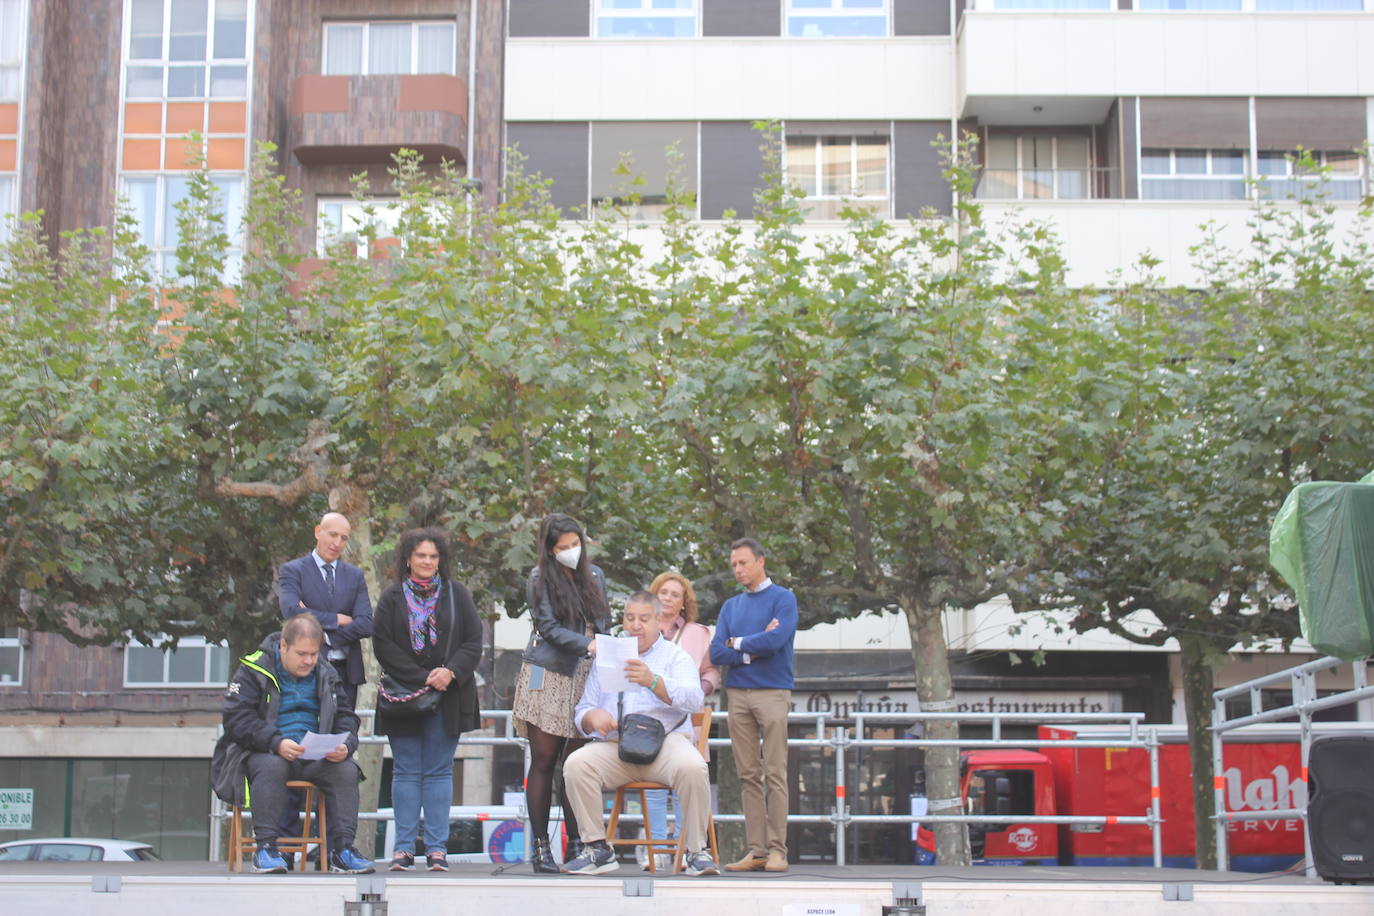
835	734
1301	681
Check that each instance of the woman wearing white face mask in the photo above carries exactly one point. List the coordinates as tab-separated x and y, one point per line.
567	600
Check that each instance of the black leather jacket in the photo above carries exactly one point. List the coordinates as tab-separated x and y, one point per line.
554	645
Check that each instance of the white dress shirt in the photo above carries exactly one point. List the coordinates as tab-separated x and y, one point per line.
680	677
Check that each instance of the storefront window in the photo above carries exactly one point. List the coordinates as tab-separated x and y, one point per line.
164	803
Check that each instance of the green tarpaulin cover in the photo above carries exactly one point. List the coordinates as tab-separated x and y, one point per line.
1322	543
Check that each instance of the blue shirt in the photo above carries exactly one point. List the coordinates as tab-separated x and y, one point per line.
747	615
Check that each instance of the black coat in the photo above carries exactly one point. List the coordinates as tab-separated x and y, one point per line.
553	644
250	717
391	643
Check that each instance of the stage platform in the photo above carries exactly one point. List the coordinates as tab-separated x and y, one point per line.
206	889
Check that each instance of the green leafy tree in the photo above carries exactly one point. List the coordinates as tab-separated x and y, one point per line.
82	547
1203	409
847	401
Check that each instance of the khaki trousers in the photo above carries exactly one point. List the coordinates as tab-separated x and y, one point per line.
596	767
757	713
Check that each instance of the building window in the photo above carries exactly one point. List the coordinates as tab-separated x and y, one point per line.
193	663
1187	4
1054	4
1336	175
156	800
1277	698
345	221
373	48
836	18
1040	167
187	49
831	169
8	205
1310	6
641	187
154	201
1192	174
646	18
11	657
11	49
1263	6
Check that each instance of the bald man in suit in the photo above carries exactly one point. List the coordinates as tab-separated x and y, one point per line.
336	594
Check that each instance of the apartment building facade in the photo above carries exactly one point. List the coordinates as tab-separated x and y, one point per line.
1125	122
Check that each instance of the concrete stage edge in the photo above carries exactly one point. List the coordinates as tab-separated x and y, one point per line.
167	888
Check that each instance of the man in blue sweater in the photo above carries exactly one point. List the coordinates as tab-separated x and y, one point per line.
754	637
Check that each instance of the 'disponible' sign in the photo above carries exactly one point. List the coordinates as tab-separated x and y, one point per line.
821	909
16	809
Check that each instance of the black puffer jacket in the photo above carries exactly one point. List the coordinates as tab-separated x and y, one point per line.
250	718
554	645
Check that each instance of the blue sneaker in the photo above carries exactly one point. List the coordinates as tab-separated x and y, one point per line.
350	862
700	863
595	859
267	861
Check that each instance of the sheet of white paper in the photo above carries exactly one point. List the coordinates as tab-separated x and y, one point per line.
317	746
611	655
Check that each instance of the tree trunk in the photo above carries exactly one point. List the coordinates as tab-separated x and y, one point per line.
354	503
935	688
1197	705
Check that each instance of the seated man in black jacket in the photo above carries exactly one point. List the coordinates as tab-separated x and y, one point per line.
278	694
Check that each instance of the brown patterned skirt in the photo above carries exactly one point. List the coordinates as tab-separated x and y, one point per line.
550	707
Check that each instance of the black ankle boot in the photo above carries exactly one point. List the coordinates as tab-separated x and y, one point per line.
542	858
575	848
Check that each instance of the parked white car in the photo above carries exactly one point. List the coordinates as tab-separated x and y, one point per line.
76	849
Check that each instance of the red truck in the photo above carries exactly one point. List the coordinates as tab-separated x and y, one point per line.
1116	781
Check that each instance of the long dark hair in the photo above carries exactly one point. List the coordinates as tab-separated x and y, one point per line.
576	596
414	538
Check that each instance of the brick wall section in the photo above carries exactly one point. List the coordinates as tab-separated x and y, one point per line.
66	679
72	116
489	112
290	44
343	119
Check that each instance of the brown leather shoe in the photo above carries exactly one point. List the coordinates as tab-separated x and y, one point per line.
750	862
777	861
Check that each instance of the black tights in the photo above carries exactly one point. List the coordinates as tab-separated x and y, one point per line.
546	753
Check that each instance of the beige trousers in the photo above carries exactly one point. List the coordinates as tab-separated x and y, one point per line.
596	767
761	714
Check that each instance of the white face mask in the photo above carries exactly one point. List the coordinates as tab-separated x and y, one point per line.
569	557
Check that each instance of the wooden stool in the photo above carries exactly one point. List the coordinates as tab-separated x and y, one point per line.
242	845
701	722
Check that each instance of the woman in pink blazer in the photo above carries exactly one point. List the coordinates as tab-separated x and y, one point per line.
677	620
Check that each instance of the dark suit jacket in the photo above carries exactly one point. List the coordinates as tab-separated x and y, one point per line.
300	581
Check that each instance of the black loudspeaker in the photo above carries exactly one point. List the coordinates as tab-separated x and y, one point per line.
1340	807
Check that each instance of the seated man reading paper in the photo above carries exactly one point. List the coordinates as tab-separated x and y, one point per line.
663	683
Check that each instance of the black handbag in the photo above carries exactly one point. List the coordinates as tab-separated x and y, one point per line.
397	701
641	736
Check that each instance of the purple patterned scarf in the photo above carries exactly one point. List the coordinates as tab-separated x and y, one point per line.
421	599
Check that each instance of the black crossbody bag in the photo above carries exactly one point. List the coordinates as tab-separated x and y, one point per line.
641	736
401	702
